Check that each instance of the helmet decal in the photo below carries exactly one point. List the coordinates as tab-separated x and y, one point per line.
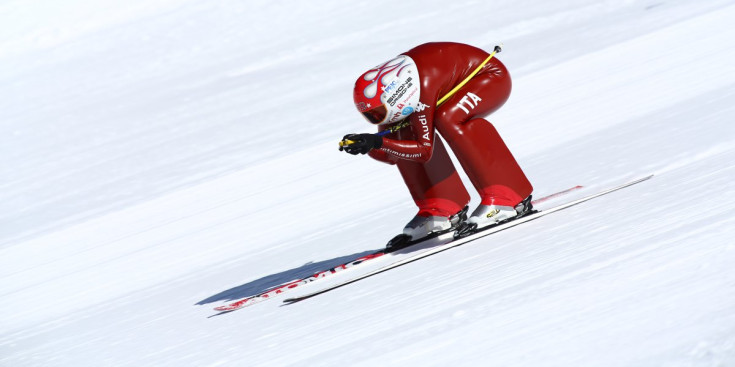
384	74
393	85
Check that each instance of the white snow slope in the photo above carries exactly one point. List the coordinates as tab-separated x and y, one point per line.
161	157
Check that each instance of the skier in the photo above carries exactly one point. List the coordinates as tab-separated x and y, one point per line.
409	87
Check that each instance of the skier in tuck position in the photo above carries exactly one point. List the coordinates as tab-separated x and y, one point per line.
410	87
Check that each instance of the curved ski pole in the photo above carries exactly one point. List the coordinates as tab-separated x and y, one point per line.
496	50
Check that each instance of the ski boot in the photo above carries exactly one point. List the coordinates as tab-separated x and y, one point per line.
489	215
423	228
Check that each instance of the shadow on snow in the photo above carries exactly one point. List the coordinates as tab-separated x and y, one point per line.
274	280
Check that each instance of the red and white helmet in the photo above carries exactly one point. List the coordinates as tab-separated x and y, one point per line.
388	92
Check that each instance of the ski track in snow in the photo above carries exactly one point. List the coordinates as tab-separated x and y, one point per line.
162	157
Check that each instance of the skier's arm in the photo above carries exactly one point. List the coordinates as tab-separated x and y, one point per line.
380	155
419	150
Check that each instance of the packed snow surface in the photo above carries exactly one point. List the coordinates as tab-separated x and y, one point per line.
161	157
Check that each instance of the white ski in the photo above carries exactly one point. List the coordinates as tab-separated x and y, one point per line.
273	292
464	240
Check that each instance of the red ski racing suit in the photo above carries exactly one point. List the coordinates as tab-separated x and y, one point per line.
421	157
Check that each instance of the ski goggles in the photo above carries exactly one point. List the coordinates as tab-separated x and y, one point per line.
376	115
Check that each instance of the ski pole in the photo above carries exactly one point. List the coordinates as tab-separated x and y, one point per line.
403	124
467	79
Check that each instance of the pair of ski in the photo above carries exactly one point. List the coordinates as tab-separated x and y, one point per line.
411	257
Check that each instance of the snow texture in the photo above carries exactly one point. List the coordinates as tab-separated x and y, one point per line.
161	157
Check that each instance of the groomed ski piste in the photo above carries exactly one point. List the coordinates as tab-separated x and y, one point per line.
160	158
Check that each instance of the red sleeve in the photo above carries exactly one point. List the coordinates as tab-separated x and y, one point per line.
418	149
380	155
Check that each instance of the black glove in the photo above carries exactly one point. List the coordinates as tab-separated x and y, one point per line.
362	143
